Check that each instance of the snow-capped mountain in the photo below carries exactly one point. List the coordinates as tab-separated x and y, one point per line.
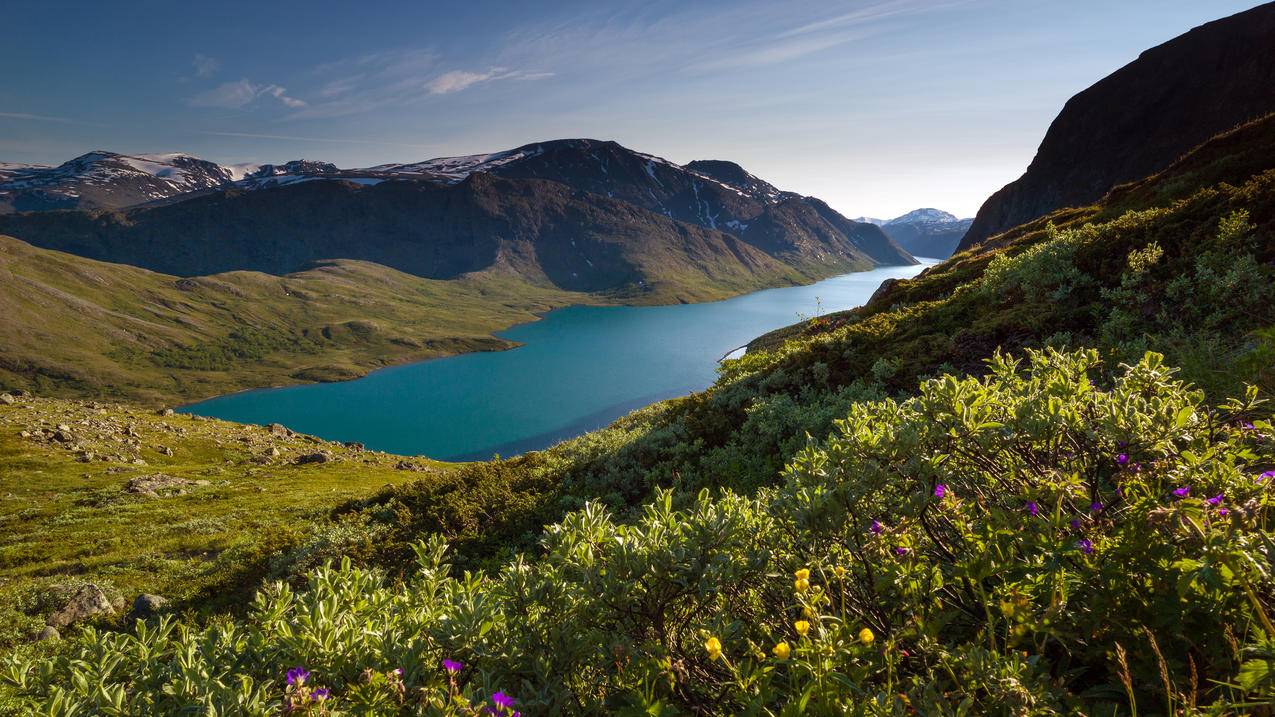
715	194
106	180
924	216
925	232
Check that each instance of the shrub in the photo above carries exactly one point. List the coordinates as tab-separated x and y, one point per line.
1032	542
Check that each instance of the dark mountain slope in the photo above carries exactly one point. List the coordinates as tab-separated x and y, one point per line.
713	194
1142	117
543	231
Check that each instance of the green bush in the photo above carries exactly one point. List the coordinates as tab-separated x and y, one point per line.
1037	541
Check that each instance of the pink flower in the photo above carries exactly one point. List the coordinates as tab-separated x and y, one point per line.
940	490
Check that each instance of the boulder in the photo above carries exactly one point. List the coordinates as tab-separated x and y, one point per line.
160	485
313	458
89	600
48	633
7	399
278	429
147	606
166	412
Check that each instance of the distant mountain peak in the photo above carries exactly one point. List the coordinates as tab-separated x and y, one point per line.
926	215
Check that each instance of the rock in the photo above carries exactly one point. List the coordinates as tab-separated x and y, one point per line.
160	485
165	450
63	435
278	429
166	412
313	458
48	633
85	456
146	606
25	434
88	601
7	399
274	452
63	427
354	445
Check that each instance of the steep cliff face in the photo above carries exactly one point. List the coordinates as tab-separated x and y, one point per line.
1142	117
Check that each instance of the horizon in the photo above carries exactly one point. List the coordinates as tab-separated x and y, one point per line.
841	82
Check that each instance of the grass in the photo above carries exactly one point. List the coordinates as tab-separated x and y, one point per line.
68	519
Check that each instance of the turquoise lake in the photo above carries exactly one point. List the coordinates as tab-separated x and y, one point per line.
579	368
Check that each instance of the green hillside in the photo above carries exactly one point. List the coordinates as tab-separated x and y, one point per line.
985	492
84	328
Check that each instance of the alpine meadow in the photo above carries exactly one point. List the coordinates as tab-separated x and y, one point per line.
1029	469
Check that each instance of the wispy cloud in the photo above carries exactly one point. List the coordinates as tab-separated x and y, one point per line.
457	80
234	95
325	140
205	66
37	118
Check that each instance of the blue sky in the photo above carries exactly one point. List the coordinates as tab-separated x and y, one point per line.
878	106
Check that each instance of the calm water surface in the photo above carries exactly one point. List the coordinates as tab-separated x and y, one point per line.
579	369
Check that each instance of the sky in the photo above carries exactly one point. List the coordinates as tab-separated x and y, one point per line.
876	106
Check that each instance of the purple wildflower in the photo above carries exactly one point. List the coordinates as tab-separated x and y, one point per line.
503	700
901	550
1264	476
1033	508
1122	459
297	676
876	527
320	694
940	490
1119	492
1182	492
1246	426
1215	500
1085	545
452	666
1223	512
1095	507
1075	523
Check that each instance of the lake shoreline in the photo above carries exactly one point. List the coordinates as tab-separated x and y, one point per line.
574	363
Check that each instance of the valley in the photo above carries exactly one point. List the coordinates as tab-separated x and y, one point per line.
572	428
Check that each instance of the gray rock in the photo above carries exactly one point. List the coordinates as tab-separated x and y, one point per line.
7	399
48	633
166	412
160	485
313	458
146	606
278	429
88	601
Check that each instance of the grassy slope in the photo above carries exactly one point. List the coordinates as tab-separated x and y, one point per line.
79	327
67	518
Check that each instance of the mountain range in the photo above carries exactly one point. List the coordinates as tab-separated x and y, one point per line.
579	215
1141	118
924	232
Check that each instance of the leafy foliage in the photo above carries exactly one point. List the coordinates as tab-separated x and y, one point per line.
1026	543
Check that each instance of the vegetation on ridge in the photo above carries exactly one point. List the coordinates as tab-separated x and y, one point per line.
1035	542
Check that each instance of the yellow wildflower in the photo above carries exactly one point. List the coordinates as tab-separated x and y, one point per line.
806	611
839	571
866	636
801	585
782	651
803	574
714	648
802	626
